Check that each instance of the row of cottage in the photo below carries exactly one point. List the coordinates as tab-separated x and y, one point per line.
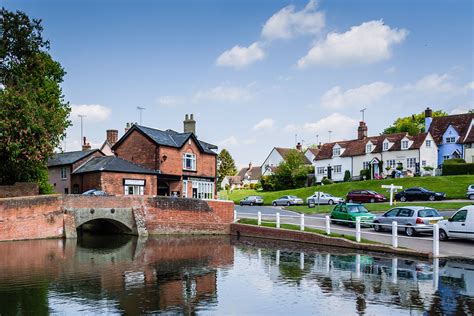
444	138
144	161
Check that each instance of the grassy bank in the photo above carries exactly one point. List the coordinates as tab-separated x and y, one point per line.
454	186
307	229
379	207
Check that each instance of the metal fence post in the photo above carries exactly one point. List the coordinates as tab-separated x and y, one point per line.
278	220
394	234
235	215
259	218
302	222
358	229
435	240
328	225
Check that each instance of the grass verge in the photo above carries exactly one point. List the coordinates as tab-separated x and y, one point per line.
250	221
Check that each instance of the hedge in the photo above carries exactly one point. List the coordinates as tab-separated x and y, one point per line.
452	169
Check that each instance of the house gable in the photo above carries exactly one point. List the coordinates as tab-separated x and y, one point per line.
450	136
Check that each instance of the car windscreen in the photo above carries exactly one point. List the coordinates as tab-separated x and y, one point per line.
428	213
293	197
357	209
372	192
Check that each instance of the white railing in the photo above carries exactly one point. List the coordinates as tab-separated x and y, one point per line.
278	219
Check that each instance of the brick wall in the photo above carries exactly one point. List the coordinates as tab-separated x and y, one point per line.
19	189
139	149
112	182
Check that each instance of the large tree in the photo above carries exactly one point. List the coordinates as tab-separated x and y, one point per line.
33	113
225	166
291	172
413	124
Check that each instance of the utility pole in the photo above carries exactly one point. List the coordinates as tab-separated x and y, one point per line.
363	114
139	108
317	139
329	136
81	116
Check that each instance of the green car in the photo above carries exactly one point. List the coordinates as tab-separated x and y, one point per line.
349	212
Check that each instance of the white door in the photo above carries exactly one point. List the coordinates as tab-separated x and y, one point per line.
457	226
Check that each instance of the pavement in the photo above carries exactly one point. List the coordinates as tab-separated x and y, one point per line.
422	243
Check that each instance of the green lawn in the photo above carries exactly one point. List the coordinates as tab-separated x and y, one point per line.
250	221
379	207
454	186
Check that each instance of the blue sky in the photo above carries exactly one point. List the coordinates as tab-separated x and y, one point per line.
255	73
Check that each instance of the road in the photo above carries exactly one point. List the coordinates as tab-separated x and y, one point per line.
422	243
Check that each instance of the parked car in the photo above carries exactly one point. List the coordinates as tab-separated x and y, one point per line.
470	192
349	212
324	198
252	200
419	193
95	192
288	200
460	225
365	196
418	218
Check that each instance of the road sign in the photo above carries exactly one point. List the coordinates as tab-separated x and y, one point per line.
392	188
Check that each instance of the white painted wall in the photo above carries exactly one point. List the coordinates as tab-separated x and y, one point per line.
345	163
400	156
469	153
358	162
429	154
274	159
309	154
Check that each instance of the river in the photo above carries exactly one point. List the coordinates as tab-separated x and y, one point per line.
219	275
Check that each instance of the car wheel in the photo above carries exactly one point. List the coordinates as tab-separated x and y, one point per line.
410	231
241	204
333	221
288	204
274	204
372	200
403	199
352	224
251	203
330	202
442	235
431	198
471	197
377	227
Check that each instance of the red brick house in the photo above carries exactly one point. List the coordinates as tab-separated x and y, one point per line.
186	166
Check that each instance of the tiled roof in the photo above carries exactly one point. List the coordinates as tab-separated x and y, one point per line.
254	173
460	123
112	163
314	150
69	158
234	179
284	152
325	152
470	137
169	138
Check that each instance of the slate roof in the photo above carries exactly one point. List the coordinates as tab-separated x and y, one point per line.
169	138
68	158
284	152
460	123
254	173
112	163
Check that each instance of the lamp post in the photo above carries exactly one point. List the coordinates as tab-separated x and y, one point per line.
81	116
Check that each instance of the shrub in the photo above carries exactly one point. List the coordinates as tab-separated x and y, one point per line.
327	181
453	161
347	175
456	167
365	173
252	186
258	186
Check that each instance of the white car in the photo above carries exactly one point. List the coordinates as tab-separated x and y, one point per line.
460	225
324	198
470	192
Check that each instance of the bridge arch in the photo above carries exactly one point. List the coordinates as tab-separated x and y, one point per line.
116	220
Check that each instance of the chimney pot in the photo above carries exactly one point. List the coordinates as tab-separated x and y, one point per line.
112	136
299	147
428	118
86	145
362	130
189	124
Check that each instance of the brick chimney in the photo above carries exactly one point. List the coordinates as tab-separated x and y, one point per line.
127	126
85	145
250	165
428	118
189	124
299	147
362	131
112	136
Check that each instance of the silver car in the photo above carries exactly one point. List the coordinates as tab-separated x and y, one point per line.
252	200
324	198
288	200
417	218
470	192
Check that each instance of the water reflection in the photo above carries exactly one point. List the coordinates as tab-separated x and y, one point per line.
216	275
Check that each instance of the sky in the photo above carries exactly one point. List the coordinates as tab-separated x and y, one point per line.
258	74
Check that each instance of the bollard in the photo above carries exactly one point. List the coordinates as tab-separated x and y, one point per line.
435	240
394	270
277	257
259	218
357	265
328	225
435	273
302	260
302	222
278	220
235	215
394	234
358	229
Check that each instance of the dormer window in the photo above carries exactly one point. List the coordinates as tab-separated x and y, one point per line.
189	161
385	146
450	140
336	151
368	148
404	144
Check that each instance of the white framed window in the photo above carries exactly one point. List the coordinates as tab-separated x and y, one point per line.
321	170
365	165
203	190
63	173
189	161
134	190
404	144
428	143
411	162
336	151
391	163
385	146
450	140
368	148
338	169
423	163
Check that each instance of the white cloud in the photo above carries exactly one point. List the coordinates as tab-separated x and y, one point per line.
432	83
249	141
266	123
169	100
369	42
469	86
241	56
229	141
342	127
288	23
362	96
460	110
223	94
93	112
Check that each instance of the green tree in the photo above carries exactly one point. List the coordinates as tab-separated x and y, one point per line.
225	166
292	172
413	124
33	113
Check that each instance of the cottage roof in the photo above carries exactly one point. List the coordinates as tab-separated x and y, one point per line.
70	157
314	150
285	151
112	163
470	137
234	179
459	122
253	173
